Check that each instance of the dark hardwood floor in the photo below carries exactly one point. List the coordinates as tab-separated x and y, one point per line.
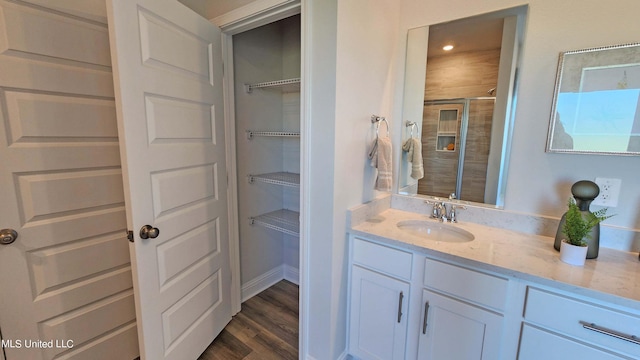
266	328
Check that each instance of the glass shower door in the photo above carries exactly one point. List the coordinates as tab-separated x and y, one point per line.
475	152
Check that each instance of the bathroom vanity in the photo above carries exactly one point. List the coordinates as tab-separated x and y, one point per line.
502	295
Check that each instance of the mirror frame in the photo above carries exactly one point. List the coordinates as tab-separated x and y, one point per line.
573	66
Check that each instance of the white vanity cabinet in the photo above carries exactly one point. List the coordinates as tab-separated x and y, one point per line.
450	309
462	313
459	315
379	296
453	329
379	326
503	296
559	326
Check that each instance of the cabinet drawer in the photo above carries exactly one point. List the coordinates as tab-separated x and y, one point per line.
540	344
473	286
565	314
382	258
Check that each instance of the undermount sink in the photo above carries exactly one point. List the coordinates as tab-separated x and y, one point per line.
435	231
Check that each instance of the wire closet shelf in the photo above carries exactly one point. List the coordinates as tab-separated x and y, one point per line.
277	178
285	221
252	133
286	85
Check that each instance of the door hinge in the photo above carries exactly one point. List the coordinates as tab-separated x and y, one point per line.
130	235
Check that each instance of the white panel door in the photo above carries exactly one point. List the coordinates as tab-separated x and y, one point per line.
168	77
66	279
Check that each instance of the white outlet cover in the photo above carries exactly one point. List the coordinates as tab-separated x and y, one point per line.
609	192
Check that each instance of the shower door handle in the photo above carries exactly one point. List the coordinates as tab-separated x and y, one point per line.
149	232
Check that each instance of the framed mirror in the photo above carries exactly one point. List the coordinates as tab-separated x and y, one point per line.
462	102
596	102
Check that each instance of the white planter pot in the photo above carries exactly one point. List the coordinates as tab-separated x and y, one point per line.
571	254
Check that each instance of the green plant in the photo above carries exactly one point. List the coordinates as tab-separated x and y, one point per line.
578	225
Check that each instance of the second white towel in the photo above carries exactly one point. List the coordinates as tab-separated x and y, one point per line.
413	148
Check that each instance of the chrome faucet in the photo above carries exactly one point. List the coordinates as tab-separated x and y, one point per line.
443	212
437	209
440	212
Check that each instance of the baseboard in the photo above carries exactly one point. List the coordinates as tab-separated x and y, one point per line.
343	356
268	279
260	283
291	274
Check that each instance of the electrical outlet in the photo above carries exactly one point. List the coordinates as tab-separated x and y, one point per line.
609	192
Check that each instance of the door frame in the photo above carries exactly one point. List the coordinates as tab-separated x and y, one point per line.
251	16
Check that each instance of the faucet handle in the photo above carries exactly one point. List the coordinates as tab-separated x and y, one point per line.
452	196
453	214
436	211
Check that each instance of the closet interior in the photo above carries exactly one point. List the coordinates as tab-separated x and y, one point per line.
267	124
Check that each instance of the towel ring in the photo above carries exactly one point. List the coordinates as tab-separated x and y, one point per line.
378	119
412	124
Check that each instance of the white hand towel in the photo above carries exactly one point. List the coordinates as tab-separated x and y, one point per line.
373	154
382	159
413	147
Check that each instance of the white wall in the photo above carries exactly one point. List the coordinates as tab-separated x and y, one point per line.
353	77
539	182
317	140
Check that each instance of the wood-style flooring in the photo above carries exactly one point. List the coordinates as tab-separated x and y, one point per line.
266	328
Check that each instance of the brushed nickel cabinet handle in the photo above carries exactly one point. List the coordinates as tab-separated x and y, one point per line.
400	306
426	316
616	334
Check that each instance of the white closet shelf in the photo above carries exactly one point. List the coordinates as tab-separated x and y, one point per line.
286	221
286	85
252	133
277	178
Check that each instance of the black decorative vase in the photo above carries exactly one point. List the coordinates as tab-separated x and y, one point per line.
584	191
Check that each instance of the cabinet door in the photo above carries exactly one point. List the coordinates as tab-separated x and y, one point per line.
378	318
539	344
454	330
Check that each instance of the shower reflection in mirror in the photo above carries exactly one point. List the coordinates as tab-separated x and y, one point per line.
457	136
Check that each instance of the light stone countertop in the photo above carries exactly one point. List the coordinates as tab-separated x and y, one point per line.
614	276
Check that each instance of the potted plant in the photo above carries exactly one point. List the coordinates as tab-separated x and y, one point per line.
576	229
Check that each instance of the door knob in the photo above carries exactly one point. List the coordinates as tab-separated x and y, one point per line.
7	236
149	232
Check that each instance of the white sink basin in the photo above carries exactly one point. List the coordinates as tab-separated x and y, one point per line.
435	231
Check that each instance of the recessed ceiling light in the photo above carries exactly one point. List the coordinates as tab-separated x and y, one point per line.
447	47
